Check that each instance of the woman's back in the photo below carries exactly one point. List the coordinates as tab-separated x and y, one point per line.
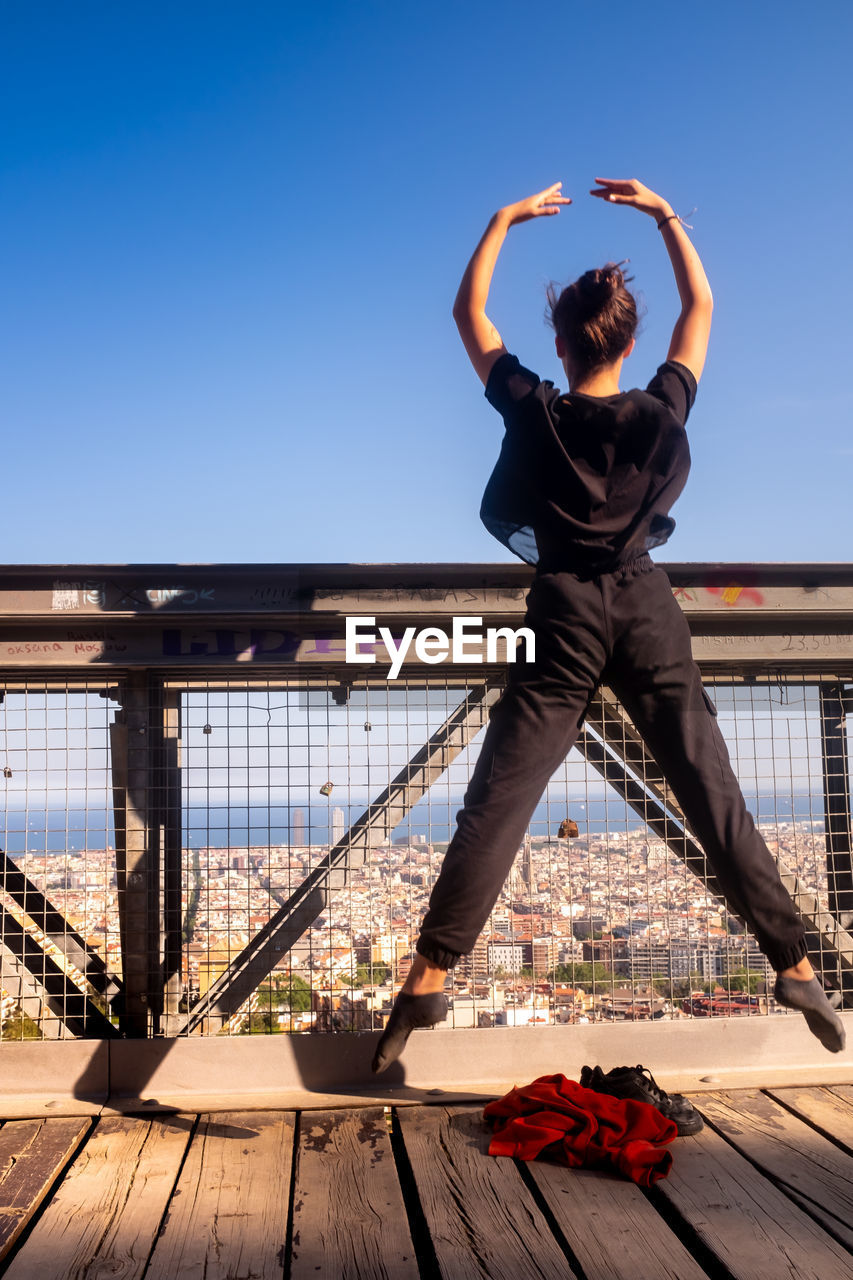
586	482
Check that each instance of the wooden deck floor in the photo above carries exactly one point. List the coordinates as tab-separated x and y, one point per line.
766	1190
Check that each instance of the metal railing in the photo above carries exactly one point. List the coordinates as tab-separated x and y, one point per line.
216	824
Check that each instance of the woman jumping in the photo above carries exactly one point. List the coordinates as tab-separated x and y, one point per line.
583	489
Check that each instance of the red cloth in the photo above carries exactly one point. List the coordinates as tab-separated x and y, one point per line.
554	1118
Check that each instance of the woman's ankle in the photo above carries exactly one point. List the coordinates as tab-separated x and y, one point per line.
802	970
424	977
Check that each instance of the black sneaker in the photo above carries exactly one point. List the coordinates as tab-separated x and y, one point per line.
639	1083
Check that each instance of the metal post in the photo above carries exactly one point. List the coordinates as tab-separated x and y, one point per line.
166	761
145	741
134	872
836	801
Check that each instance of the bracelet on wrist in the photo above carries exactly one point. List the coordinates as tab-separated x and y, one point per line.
677	218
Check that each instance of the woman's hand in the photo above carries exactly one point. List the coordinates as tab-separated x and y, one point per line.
481	339
543	204
630	191
689	343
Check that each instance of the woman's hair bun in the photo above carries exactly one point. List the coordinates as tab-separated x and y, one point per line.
596	316
604	280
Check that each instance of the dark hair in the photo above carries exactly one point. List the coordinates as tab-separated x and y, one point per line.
596	317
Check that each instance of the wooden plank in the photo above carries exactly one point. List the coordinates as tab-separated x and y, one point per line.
755	1230
829	1110
801	1161
482	1218
108	1207
228	1217
32	1154
349	1219
844	1093
613	1230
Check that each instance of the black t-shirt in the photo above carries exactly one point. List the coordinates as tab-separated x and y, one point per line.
586	482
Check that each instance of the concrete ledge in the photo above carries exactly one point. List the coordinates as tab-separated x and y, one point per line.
718	1053
310	1071
55	1077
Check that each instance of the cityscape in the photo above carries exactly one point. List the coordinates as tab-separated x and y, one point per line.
594	926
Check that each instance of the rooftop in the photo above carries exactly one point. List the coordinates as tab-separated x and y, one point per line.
176	876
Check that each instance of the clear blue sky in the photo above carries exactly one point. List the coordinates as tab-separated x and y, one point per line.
232	234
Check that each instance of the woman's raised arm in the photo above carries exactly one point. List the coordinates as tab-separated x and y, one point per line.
689	343
479	336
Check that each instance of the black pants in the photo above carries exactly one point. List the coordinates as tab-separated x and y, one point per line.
624	629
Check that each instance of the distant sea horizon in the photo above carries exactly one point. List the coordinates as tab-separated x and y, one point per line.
57	831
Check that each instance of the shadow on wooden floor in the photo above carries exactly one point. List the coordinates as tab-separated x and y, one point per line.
766	1190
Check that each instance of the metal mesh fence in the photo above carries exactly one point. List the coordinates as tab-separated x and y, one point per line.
59	922
228	796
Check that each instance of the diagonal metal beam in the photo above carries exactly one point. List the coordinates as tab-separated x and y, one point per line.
57	930
27	991
312	898
38	982
647	806
653	801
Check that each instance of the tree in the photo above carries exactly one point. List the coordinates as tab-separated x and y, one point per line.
297	995
291	993
682	987
737	980
583	973
193	900
263	1024
20	1027
372	975
662	985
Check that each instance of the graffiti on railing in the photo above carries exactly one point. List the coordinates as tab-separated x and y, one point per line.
69	595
